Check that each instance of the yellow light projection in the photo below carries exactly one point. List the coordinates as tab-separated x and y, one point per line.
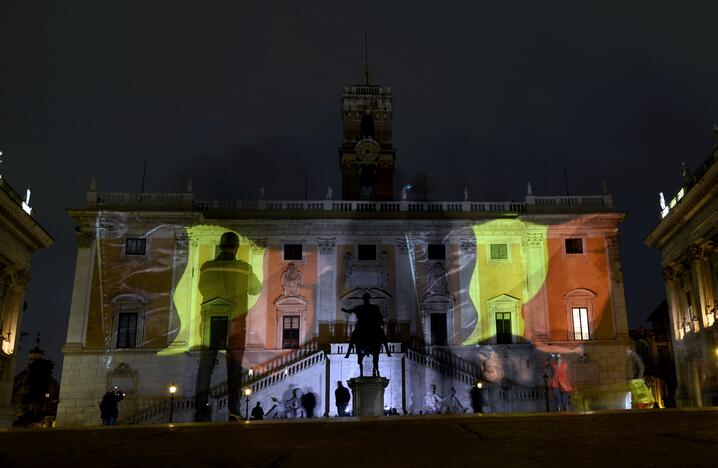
203	261
510	269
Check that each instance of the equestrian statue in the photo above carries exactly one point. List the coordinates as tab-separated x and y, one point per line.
368	336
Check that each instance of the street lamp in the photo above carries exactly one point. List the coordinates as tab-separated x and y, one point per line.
172	389
247	392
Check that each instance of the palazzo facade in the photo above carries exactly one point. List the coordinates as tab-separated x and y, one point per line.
470	292
687	236
20	236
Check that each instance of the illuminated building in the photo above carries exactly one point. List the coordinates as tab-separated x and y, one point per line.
687	236
469	290
20	236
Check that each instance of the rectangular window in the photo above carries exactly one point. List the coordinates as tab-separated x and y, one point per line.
437	252
366	252
127	330
135	246
292	251
290	332
503	327
439	333
580	323
499	252
218	332
574	245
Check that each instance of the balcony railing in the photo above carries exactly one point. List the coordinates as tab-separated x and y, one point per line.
187	202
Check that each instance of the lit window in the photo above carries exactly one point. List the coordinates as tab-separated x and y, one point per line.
580	323
437	252
499	252
366	252
290	332
135	246
127	330
574	245
292	251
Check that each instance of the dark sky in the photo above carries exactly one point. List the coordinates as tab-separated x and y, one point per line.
240	94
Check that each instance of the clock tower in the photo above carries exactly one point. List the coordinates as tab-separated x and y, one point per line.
367	153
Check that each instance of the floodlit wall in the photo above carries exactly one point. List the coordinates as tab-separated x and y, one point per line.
514	268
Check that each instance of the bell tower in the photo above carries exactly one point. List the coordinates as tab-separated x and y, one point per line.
367	153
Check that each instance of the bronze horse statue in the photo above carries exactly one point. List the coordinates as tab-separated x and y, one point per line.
368	336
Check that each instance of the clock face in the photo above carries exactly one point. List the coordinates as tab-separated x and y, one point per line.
367	150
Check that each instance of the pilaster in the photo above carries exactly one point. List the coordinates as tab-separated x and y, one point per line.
618	300
82	288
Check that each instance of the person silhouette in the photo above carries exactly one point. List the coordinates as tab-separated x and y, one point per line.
309	402
341	398
224	284
258	412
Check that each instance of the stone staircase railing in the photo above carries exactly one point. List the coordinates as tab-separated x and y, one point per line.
285	364
464	371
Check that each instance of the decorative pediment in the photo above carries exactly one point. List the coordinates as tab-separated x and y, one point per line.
366	275
218	305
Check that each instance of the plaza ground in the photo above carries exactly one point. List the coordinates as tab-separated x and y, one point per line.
616	438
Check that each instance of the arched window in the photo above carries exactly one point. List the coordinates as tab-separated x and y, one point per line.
367	126
128	322
580	324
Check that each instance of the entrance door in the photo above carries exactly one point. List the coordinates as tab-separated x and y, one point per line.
438	330
218	332
503	328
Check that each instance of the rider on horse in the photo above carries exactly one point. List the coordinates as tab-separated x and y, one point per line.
369	328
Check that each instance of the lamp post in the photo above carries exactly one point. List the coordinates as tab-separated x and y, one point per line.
172	389
247	392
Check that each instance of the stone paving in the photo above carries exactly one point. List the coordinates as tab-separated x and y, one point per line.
679	438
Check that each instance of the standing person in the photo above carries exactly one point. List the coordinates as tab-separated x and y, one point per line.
108	407
233	281
341	397
476	394
560	384
258	412
309	401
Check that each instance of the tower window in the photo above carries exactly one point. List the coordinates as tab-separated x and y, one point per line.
580	323
574	245
292	251
366	252
437	252
367	126
135	246
499	252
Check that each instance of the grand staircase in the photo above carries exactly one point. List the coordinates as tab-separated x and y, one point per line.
270	375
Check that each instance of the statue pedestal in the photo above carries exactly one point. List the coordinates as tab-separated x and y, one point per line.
368	396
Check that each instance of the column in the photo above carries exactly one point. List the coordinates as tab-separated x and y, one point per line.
405	290
81	289
536	258
470	322
673	295
326	283
180	257
12	315
709	386
618	300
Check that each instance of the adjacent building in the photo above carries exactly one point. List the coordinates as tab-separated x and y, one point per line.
470	291
687	236
20	236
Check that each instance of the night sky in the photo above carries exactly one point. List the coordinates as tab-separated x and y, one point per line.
240	94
